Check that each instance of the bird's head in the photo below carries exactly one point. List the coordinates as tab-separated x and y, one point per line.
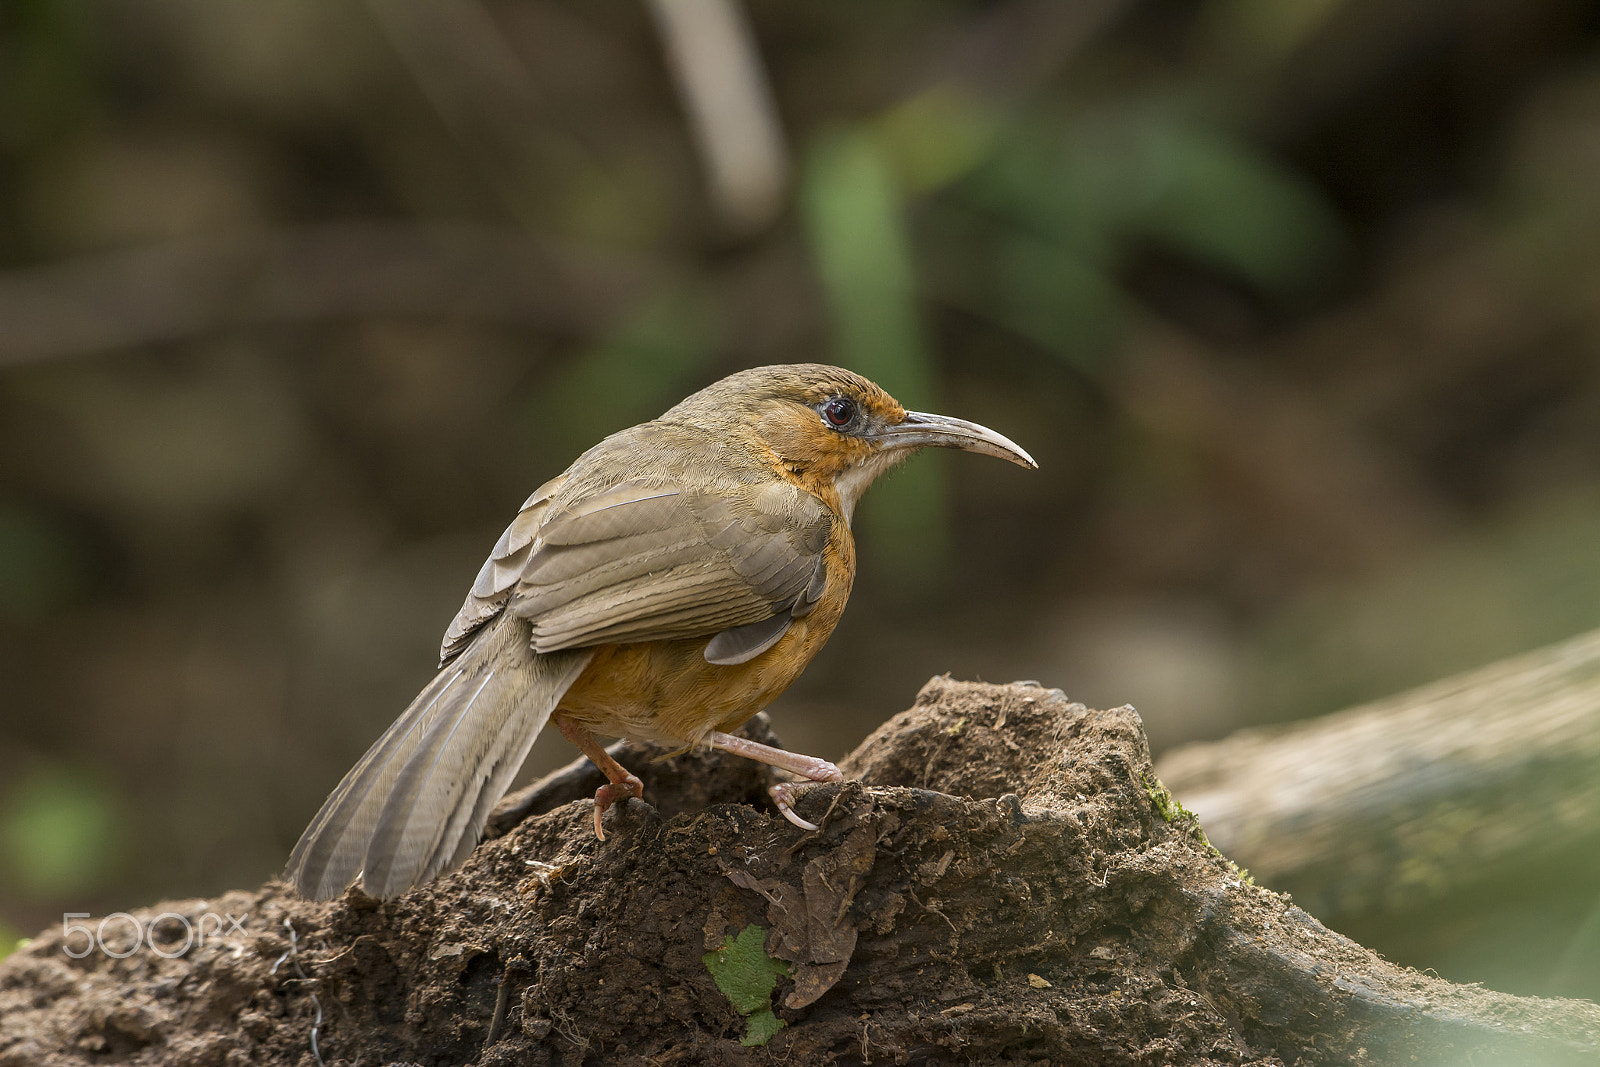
831	427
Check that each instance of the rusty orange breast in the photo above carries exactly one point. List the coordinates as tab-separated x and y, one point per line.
666	691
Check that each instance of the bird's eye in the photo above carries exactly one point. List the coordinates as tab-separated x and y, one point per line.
839	411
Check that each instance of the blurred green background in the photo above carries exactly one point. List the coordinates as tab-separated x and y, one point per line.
1297	302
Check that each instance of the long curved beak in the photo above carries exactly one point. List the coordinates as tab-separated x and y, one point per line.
921	429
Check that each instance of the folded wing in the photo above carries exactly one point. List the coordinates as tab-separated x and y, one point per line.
647	560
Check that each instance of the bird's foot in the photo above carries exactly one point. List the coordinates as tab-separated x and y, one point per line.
620	782
784	794
612	792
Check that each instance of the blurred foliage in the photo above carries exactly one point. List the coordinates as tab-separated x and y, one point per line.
1101	182
855	215
1295	302
651	360
47	69
1033	224
1525	580
59	832
41	564
1076	198
1577	966
937	136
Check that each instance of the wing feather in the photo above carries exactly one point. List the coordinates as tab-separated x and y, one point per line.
642	562
502	570
648	559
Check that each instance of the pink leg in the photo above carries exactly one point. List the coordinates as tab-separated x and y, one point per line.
622	784
783	794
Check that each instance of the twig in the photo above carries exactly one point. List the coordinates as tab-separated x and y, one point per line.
723	85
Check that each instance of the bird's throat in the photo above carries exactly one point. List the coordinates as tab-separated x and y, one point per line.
851	482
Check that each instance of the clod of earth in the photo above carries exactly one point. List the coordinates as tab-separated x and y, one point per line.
1000	885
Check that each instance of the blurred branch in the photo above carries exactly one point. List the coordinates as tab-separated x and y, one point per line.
723	85
186	289
1398	804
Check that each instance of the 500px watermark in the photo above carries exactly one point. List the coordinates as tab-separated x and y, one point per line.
119	935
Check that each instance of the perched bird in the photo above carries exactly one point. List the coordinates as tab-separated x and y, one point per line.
667	587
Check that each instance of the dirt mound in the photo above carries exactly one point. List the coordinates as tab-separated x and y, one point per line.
1007	884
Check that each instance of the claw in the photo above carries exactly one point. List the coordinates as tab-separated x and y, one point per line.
783	795
612	792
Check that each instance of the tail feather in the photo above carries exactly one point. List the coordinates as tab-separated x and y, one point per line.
415	803
407	835
330	853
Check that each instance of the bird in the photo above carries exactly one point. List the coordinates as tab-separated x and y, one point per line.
670	584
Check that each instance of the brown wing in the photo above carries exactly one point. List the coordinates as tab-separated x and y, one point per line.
500	572
642	561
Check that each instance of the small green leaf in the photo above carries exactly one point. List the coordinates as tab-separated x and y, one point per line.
760	1027
747	975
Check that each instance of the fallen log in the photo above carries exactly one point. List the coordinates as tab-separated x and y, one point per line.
1008	883
1397	805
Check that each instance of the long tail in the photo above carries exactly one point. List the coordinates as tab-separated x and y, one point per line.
416	802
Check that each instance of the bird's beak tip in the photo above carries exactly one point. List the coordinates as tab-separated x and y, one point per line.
921	429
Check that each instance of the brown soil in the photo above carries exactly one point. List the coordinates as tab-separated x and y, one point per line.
1003	886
